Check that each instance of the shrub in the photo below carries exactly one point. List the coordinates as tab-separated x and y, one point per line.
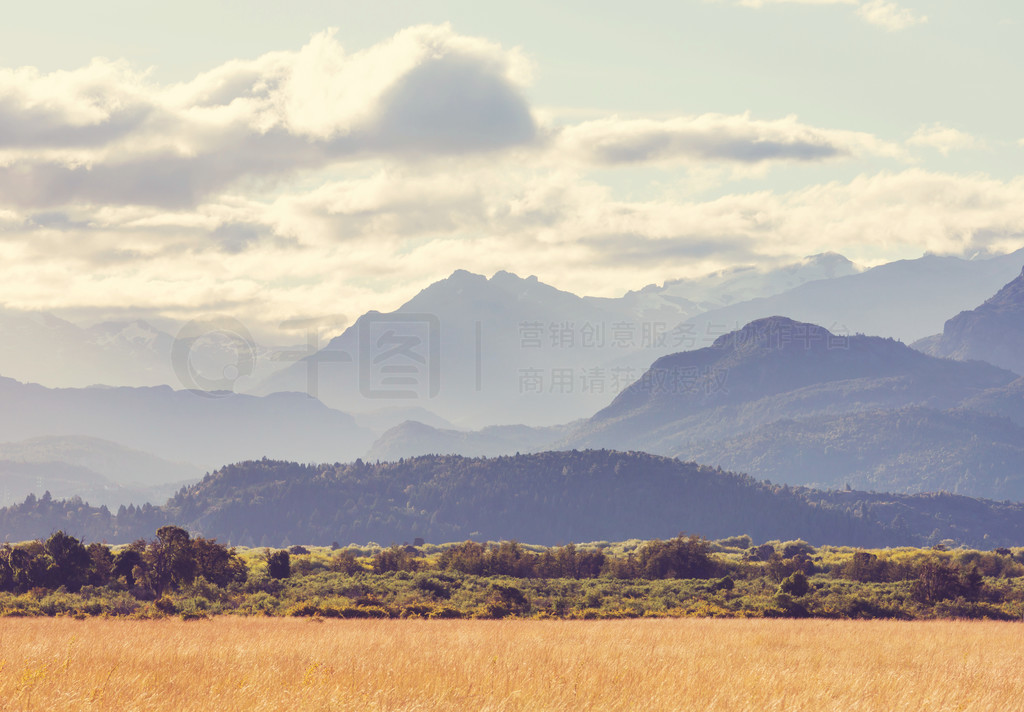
795	585
279	564
165	605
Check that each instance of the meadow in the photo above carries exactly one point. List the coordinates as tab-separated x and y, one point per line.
257	663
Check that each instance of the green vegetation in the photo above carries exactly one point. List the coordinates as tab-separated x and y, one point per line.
174	574
547	498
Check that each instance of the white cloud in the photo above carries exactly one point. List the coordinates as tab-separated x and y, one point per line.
762	3
107	135
889	15
370	241
318	181
715	137
884	13
943	139
104	134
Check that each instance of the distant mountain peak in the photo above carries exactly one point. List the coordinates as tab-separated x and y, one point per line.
992	332
504	275
834	263
461	276
1010	296
773	333
778	355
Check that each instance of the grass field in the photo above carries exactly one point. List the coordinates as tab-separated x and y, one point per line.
230	663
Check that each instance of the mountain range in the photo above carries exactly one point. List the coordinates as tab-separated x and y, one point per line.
201	429
491	367
99	471
39	347
905	300
509	350
795	403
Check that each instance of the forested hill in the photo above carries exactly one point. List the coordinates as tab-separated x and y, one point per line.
544	498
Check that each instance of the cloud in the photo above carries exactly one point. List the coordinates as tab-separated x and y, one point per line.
715	137
316	181
889	15
88	107
883	13
943	139
371	241
108	135
415	114
762	3
105	134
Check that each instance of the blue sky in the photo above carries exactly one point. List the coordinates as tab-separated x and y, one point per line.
277	162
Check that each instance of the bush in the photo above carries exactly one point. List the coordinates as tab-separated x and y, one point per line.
165	605
680	558
433	587
344	561
279	564
395	558
725	584
795	585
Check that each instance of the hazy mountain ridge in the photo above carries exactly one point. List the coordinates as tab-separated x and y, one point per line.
202	429
677	406
413	438
777	368
498	344
98	471
771	398
992	332
907	299
39	347
545	498
740	284
909	450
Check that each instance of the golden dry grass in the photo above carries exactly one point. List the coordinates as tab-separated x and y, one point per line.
230	664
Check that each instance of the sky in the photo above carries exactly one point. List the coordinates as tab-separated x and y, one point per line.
282	163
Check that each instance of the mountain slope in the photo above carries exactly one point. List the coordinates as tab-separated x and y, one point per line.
114	462
477	352
992	332
744	283
39	347
909	450
776	368
795	403
98	471
203	429
906	300
412	438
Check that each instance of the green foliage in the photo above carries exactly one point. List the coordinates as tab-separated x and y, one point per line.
69	561
167	561
682	557
795	585
345	561
743	542
676	577
939	580
279	564
395	558
543	497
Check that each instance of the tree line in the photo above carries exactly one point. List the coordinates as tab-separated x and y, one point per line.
543	498
176	573
171	559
